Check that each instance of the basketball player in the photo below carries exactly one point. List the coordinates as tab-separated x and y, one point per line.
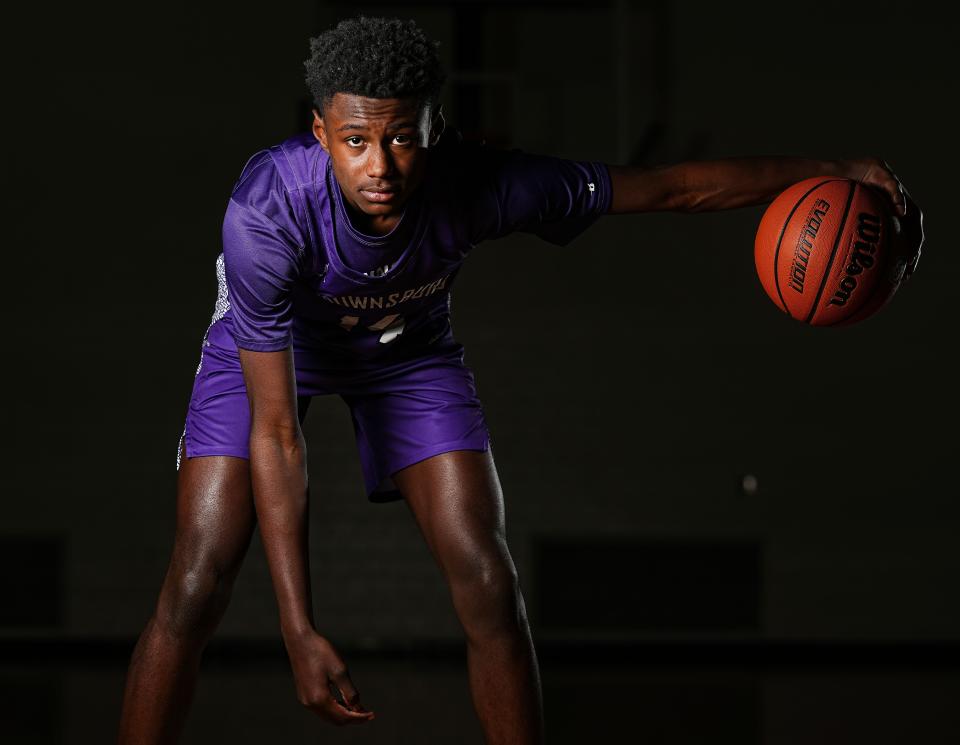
340	247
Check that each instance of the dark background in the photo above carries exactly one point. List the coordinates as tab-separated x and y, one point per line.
631	381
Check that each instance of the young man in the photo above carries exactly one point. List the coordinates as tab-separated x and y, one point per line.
339	250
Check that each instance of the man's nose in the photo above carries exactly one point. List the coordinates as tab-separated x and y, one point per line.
379	162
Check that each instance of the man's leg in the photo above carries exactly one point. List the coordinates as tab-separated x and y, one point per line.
215	521
457	502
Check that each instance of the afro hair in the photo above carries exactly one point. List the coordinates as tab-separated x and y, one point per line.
376	58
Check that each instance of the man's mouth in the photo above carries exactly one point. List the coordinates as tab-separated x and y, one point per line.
379	195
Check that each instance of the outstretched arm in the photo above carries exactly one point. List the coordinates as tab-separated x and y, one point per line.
703	186
708	185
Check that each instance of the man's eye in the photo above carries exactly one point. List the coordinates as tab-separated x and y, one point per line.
355	137
402	138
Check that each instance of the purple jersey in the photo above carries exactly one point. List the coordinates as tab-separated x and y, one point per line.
298	271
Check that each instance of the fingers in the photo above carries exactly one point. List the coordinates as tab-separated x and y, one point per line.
336	714
346	693
332	710
914	235
895	190
340	703
901	200
323	682
908	233
343	705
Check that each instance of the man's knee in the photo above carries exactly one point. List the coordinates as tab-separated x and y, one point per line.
194	598
487	597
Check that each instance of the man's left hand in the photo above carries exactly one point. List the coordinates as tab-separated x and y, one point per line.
907	215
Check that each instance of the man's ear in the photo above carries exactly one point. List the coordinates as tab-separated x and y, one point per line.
439	124
319	130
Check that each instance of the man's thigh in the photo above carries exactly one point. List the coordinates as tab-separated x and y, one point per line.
411	412
215	514
457	502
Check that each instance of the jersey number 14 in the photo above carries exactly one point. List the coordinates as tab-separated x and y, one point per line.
391	326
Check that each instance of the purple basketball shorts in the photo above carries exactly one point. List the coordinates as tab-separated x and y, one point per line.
402	412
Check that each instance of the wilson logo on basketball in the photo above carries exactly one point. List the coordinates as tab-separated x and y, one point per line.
801	254
864	248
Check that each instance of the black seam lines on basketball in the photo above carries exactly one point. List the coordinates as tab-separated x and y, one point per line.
783	229
833	253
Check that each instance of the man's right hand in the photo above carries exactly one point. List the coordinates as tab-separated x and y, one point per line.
323	682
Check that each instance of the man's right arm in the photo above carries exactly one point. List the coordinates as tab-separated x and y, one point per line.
278	473
261	252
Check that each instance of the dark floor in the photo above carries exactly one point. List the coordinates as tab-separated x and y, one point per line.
651	695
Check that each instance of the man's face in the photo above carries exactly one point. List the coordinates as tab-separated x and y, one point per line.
378	150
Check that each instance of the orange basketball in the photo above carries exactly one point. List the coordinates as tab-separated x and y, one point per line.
824	251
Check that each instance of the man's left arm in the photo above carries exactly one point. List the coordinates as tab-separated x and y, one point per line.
728	183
